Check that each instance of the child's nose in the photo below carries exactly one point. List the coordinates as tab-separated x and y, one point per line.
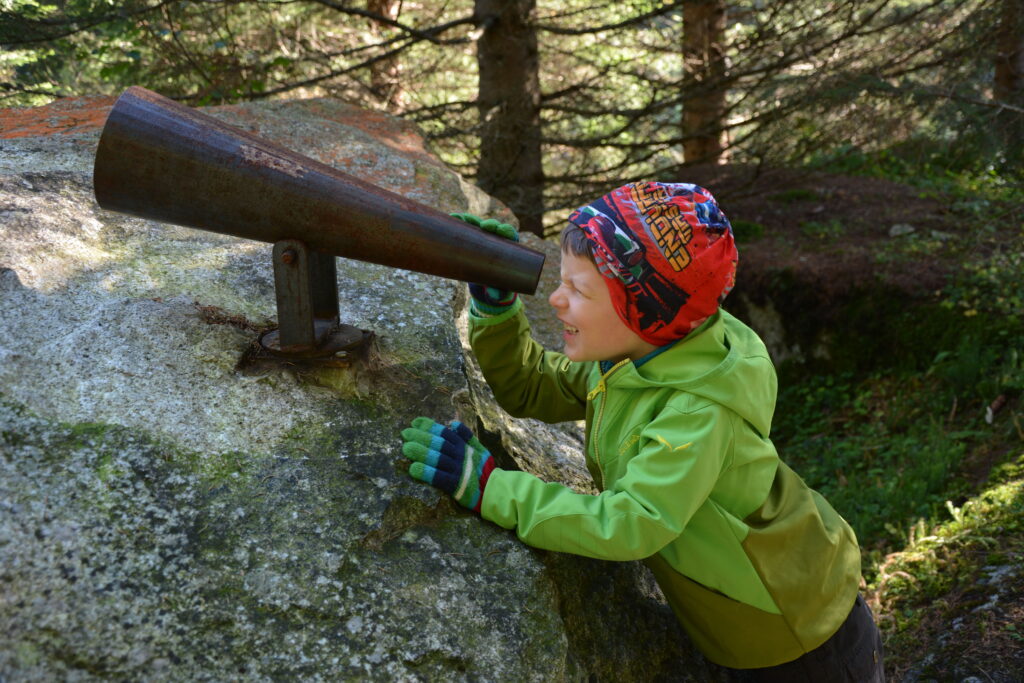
556	299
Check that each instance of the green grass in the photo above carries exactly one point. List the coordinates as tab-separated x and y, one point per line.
798	194
822	230
973	183
943	574
935	559
747	231
891	448
926	462
933	489
881	450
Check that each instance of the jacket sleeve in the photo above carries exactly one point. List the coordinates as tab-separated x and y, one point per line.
677	467
527	380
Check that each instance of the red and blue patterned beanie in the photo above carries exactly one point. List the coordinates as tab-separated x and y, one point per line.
666	252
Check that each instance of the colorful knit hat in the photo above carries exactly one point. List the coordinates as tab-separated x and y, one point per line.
666	252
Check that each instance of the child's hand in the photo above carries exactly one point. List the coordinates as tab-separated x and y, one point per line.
490	301
450	458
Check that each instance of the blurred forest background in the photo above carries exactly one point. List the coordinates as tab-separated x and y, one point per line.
546	105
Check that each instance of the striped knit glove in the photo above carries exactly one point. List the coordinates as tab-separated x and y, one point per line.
490	301
450	458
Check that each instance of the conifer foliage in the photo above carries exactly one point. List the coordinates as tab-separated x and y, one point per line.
549	104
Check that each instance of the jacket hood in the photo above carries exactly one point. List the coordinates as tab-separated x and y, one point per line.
723	361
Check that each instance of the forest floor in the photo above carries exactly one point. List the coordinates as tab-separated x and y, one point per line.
950	596
837	226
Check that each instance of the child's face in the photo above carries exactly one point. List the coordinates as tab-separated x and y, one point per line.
593	330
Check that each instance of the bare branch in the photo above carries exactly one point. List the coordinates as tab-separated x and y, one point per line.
625	23
429	34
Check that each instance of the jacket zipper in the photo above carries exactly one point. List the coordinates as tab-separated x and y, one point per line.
601	388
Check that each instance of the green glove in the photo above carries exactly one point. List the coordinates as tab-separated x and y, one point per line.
491	225
450	458
490	301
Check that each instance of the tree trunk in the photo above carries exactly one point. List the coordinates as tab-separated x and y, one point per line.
509	103
1009	76
385	75
704	64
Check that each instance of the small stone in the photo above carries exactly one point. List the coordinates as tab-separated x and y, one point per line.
901	229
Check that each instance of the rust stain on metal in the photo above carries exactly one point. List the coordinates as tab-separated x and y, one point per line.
258	157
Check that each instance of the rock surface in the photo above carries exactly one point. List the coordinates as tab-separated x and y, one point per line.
165	515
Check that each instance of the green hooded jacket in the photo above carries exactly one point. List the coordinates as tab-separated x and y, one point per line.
758	568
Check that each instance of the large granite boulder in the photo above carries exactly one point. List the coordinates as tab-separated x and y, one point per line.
167	513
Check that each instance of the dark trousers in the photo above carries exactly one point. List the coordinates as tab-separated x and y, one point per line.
852	655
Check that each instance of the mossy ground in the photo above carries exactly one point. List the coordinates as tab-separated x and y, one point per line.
926	464
912	422
959	585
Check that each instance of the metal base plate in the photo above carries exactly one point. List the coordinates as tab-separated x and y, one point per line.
337	346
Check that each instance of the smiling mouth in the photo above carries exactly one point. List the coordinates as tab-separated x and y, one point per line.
572	330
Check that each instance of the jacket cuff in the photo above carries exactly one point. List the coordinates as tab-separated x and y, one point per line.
495	504
481	321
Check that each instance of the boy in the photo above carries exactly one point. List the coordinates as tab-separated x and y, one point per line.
678	397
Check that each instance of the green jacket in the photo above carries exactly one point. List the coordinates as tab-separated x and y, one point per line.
758	568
